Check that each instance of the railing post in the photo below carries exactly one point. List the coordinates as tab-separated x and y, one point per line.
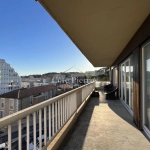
9	137
45	127
28	129
20	134
40	128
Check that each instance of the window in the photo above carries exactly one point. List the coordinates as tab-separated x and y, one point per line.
1	113
2	103
126	83
11	104
31	100
146	86
46	95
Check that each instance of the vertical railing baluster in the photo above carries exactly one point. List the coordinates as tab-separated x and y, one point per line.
40	128
66	108
34	129
61	112
45	126
69	106
56	116
9	137
28	132
19	134
50	122
52	119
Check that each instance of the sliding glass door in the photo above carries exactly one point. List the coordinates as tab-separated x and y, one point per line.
126	83
146	85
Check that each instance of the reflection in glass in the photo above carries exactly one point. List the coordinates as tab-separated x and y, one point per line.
123	82
147	85
127	82
120	81
131	82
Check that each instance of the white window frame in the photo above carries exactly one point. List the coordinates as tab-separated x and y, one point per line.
10	103
3	113
124	101
4	103
146	130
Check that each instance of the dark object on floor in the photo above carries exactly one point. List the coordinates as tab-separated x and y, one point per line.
108	87
111	94
95	94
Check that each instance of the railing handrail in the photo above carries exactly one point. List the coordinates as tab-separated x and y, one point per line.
10	119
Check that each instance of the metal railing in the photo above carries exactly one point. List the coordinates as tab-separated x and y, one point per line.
51	114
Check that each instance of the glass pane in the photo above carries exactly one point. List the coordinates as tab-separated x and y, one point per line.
120	81
127	82
147	84
123	82
131	82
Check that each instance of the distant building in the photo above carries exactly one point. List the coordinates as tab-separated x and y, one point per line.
9	79
17	100
90	73
27	84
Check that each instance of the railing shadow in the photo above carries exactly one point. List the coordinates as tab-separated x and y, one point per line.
80	128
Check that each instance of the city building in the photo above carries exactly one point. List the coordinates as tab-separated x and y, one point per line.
20	99
9	78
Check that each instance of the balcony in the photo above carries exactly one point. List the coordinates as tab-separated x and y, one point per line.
42	121
102	125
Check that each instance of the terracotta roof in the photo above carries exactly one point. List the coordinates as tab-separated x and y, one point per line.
22	93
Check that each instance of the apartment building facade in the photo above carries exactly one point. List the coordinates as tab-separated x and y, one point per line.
9	78
20	99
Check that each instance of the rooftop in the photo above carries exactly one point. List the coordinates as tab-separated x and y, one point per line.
25	92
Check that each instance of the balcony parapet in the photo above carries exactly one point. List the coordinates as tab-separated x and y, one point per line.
57	112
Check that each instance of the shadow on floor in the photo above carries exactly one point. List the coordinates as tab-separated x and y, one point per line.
82	124
117	107
81	132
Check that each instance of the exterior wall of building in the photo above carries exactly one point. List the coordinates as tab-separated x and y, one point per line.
8	109
26	84
9	79
25	103
38	99
53	92
20	104
129	75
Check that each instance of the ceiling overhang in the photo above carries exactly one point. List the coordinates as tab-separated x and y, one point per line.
99	28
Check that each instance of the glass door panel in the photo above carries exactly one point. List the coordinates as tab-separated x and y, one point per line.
146	80
127	82
131	82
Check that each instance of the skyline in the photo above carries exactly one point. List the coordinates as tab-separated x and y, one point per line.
33	43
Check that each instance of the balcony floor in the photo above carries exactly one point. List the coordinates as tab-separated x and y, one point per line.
106	125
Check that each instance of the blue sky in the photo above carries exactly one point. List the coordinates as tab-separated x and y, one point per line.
33	43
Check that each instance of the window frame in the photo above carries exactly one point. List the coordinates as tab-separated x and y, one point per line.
3	113
1	103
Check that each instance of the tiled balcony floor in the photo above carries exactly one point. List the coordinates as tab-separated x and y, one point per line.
106	125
